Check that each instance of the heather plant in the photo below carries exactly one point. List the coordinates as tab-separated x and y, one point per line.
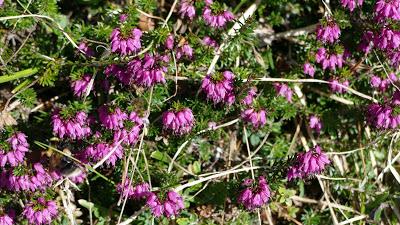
199	112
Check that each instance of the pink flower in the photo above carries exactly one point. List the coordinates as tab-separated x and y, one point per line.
379	84
123	18
394	56
327	60
328	33
308	163
248	99
256	118
84	47
112	119
387	39
351	4
187	9
383	116
171	206
315	123
179	122
78	178
99	151
14	154
219	87
137	192
210	42
309	69
254	195
126	45
217	19
75	127
367	41
387	9
338	87
284	91
184	50
40	211
119	72
169	42
80	86
148	71
7	218
130	134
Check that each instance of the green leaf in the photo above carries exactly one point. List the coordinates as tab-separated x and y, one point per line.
18	75
161	156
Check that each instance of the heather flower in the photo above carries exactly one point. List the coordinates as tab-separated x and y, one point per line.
255	195
379	84
78	178
329	32
351	4
137	192
171	206
387	39
219	87
257	118
184	50
123	18
130	133
308	163
75	127
338	87
112	119
40	211
394	56
148	71
7	218
80	86
1	3
119	72
327	60
169	42
126	44
187	9
179	122
216	18
389	9
384	116
284	91
309	69
14	153
367	41
212	125
99	151
210	42
249	98
85	49
315	123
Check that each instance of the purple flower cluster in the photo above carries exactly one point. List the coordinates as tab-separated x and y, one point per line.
309	69
130	133
216	19
76	127
137	192
351	4
254	195
284	91
7	218
315	123
171	206
112	119
80	86
249	98
387	39
384	116
382	84
184	51
219	87
179	122
329	32
328	60
99	151
85	49
40	211
119	72
126	44
387	9
257	118
308	163
148	71
208	41
187	9
338	87
169	42
14	153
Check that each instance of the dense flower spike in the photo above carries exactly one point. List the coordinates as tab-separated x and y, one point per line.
387	9
329	32
309	69
40	211
284	91
184	51
387	39
187	9
331	61
216	19
254	195
14	154
315	123
148	71
85	49
219	87
179	122
99	151
112	119
338	87
130	133
7	218
171	206
308	163
258	118
351	4
380	84
80	86
249	98
384	116
126	44
75	127
137	192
